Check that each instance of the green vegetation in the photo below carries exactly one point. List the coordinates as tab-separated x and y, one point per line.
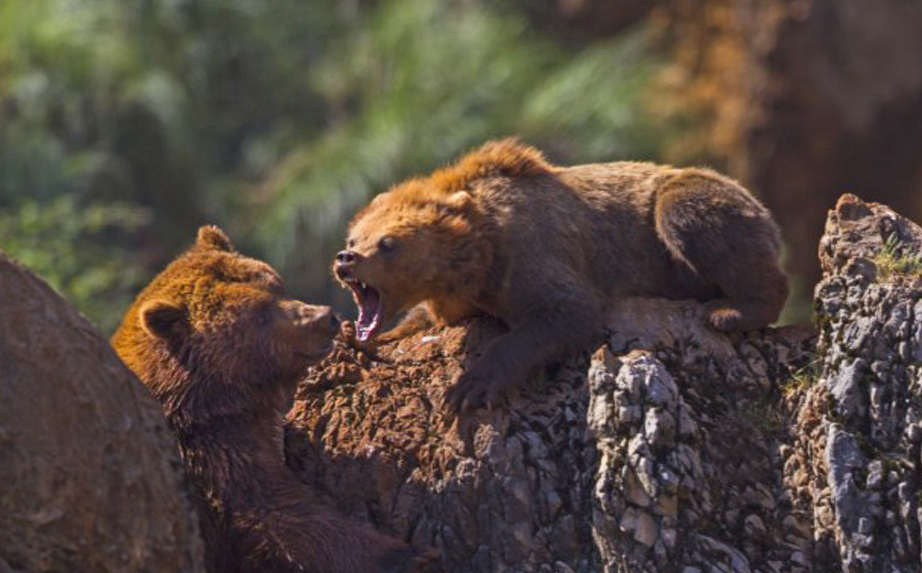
70	245
803	378
124	124
895	259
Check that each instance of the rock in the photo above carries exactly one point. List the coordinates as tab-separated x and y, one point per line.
502	489
90	473
659	428
846	388
721	553
652	431
754	526
634	491
843	460
645	529
861	445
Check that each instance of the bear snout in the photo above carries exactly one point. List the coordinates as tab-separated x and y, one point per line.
316	315
323	320
344	264
346	257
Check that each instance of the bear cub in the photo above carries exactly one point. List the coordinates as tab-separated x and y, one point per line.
222	349
549	250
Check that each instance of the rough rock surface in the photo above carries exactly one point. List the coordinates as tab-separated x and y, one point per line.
508	488
654	460
855	464
90	479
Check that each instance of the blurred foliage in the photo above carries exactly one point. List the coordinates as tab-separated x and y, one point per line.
126	123
68	245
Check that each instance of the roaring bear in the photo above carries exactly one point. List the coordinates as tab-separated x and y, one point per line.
216	341
548	250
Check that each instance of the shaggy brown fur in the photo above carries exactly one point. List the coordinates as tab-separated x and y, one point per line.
548	250
218	345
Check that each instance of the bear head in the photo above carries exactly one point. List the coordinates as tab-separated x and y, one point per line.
408	245
427	238
213	334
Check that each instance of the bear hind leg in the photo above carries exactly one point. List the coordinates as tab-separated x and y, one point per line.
731	242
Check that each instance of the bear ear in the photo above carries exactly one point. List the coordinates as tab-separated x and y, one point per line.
211	237
162	319
459	200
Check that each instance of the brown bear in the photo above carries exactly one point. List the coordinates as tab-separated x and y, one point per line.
549	250
218	344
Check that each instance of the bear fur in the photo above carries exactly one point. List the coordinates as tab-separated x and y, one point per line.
220	347
550	250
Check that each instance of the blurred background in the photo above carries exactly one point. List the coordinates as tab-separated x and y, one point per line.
124	124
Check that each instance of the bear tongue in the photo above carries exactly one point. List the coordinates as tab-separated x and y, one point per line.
369	312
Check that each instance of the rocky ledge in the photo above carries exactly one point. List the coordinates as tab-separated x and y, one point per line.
670	448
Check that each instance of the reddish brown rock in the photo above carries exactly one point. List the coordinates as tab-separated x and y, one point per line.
91	479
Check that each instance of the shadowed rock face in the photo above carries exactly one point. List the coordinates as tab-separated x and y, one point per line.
90	475
507	487
671	448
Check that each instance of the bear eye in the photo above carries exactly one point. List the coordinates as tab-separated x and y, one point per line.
264	316
350	244
387	244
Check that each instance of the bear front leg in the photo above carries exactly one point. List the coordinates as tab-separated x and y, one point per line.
425	315
416	320
570	327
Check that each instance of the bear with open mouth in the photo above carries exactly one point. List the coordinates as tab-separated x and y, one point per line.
549	250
